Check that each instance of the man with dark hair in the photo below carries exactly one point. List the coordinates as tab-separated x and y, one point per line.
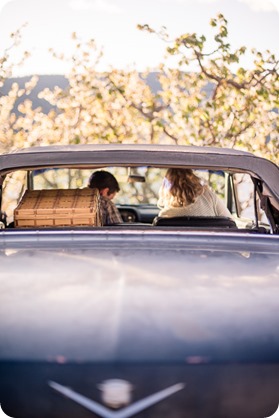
108	186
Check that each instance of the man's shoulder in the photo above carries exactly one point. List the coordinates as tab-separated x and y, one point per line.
106	201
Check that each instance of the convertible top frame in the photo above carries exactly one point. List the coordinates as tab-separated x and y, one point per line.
133	155
264	171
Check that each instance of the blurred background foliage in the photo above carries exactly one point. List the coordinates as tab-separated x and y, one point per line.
204	98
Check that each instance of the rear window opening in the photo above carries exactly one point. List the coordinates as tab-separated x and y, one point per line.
137	198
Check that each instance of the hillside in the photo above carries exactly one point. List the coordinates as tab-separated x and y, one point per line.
50	81
44	81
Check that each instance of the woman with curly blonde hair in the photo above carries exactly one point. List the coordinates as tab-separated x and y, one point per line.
182	194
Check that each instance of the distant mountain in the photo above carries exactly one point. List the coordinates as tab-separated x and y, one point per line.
45	81
50	81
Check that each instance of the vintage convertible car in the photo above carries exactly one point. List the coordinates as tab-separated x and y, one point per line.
154	317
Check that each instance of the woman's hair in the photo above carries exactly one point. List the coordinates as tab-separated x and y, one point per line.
180	187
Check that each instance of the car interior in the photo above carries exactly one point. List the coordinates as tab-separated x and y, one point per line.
138	197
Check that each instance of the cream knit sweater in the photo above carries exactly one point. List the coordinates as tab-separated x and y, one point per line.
207	204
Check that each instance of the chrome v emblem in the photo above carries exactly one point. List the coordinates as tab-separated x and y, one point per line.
126	412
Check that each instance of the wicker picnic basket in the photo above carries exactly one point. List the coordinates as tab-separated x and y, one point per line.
61	207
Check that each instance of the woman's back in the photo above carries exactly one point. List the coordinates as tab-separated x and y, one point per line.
206	204
182	194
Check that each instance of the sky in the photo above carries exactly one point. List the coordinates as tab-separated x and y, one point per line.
113	25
